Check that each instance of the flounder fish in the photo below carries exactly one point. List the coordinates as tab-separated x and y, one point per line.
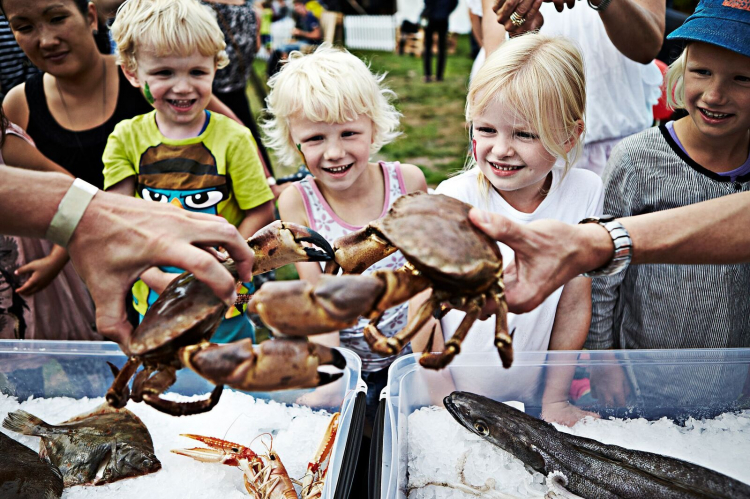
23	475
97	447
587	467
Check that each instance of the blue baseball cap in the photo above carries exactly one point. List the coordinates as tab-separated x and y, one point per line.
725	23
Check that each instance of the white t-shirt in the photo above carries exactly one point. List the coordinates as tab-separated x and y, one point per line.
579	195
620	92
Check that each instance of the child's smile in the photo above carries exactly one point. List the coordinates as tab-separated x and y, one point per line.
336	153
181	89
717	91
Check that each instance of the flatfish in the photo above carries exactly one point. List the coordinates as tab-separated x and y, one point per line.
23	475
97	447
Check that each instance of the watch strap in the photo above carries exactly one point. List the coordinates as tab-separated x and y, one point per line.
602	5
70	211
623	246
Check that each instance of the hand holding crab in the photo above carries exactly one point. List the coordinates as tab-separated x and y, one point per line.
176	330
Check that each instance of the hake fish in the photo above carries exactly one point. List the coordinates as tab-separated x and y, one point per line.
23	475
586	467
97	447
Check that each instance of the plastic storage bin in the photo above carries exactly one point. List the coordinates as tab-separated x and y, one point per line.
677	384
25	368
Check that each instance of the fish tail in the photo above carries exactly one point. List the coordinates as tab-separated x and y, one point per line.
23	422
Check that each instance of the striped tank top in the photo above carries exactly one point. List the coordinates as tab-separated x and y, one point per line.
324	221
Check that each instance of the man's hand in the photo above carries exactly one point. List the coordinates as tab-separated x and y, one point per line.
118	238
548	253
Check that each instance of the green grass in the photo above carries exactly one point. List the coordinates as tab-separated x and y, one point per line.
434	136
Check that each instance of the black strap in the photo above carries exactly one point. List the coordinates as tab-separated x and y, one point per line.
351	451
375	470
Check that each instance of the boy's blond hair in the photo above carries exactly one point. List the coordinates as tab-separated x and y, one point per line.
332	86
542	79
676	81
167	27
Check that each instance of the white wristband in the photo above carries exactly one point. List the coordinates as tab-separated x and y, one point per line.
70	211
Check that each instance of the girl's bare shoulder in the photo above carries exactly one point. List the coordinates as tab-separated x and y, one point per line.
15	107
292	207
413	178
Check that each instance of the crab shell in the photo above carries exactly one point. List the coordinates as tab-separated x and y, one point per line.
187	312
435	235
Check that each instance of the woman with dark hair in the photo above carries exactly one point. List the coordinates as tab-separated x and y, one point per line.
71	109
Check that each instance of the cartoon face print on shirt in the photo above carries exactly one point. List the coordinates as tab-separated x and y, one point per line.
185	176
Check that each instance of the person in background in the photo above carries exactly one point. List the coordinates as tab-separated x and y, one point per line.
71	108
329	109
15	67
475	16
702	156
436	12
266	19
522	167
305	35
623	83
239	20
180	153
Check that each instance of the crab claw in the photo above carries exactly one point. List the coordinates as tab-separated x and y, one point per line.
218	451
299	308
277	364
280	243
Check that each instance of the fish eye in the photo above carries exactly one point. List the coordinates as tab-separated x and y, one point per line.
481	427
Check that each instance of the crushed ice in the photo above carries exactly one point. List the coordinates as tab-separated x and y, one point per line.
238	417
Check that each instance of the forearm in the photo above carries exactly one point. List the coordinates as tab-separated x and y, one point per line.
22	218
620	19
255	219
713	231
493	33
573	316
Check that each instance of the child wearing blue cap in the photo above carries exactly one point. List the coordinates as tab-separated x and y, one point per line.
702	156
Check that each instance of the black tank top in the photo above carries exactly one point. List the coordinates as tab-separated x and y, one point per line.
78	152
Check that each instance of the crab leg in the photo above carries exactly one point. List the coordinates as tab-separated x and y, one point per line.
385	345
119	393
154	386
503	340
453	345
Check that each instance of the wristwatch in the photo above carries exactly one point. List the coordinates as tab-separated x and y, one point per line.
602	5
623	246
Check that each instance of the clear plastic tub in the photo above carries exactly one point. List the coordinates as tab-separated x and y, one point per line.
676	384
27	369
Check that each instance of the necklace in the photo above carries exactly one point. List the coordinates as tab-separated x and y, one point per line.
104	102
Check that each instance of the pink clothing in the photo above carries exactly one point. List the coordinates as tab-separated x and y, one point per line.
323	220
61	311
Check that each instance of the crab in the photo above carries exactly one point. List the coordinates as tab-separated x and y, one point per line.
444	251
265	474
177	329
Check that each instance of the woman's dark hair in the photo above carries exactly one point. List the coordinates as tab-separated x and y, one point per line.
101	37
3	126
